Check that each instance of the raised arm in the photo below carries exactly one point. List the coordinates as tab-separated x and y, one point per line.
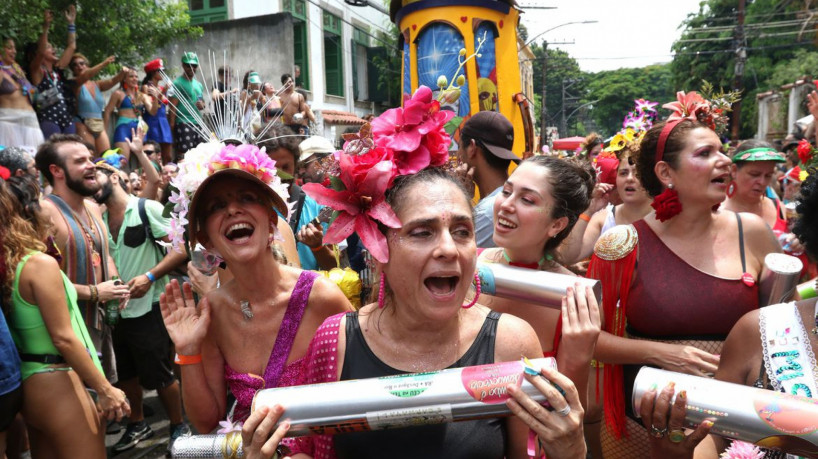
71	44
36	65
90	72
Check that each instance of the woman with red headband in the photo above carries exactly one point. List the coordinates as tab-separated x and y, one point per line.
671	301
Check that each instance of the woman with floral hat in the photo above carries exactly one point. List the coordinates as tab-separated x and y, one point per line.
697	272
253	331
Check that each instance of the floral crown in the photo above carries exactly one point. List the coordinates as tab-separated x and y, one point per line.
634	126
204	161
401	141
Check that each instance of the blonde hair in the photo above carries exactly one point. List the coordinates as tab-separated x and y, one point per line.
18	236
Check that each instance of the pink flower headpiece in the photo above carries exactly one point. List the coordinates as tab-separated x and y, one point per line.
402	141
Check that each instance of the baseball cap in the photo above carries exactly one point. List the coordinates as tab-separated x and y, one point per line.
154	65
190	58
314	146
494	131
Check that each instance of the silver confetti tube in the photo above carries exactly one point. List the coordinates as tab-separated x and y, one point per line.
767	418
455	394
785	271
219	446
537	287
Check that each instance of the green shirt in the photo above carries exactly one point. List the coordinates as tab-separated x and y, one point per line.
136	261
188	91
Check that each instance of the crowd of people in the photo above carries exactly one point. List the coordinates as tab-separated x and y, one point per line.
207	269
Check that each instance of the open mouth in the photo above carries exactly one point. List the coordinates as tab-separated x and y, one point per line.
505	223
239	232
630	189
442	285
722	179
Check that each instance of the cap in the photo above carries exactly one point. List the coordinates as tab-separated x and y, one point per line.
253	78
759	154
193	226
154	65
606	169
190	58
313	147
494	131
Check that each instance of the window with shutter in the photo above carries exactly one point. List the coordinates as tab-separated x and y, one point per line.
333	55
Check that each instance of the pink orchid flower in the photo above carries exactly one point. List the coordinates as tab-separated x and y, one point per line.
359	205
644	105
247	158
742	450
403	131
687	106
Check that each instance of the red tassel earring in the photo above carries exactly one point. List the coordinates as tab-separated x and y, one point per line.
667	204
381	291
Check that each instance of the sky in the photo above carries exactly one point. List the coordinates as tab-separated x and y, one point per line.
632	33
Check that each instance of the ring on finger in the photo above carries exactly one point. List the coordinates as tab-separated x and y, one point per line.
565	411
676	435
656	432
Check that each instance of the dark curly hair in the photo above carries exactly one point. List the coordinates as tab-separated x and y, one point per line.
572	183
646	156
806	227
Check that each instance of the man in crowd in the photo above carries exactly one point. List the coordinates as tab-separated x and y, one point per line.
282	147
141	342
485	151
81	236
187	98
18	161
297	113
313	150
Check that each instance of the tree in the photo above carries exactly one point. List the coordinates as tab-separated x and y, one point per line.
706	49
130	29
560	67
614	92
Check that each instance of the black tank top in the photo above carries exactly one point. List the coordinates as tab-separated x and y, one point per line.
485	438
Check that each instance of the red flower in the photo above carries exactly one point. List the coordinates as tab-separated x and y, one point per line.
359	205
667	205
356	167
804	151
404	131
5	173
687	106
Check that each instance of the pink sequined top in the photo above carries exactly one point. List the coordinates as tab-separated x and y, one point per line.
276	374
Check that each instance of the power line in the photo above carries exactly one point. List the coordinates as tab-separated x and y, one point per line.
757	25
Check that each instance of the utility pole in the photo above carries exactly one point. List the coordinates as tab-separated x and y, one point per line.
738	79
544	111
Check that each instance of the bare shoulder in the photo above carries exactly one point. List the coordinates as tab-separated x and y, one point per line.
515	338
759	236
40	267
327	298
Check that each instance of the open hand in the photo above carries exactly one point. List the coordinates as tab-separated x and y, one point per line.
71	14
186	325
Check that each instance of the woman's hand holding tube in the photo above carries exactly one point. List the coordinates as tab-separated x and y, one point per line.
665	423
560	431
259	435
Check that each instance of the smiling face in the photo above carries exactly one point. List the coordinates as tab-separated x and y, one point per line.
432	257
79	172
752	178
523	210
237	217
8	53
702	170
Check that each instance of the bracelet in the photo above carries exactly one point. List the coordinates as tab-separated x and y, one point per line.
94	293
584	216
150	277
187	359
72	28
316	249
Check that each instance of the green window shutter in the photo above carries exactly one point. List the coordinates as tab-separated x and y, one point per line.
377	92
203	11
333	55
355	92
301	53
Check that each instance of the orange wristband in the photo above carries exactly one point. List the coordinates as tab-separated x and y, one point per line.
585	217
188	359
316	249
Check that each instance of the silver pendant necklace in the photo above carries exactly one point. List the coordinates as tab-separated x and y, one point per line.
245	309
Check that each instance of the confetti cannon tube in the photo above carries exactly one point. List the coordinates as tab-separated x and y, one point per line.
219	446
784	271
456	394
767	418
537	287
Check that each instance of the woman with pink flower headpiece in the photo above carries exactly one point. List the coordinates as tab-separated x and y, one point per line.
253	331
697	272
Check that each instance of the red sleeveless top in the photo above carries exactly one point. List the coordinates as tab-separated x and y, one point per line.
671	299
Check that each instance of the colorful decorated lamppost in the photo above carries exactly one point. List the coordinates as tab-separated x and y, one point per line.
467	51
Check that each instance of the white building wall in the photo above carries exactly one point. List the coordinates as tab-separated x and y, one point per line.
249	8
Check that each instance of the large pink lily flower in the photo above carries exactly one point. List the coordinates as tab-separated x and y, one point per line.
359	205
687	106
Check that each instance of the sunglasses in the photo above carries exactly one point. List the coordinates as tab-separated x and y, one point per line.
149	152
193	66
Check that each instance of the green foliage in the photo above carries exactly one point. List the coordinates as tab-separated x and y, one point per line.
132	30
560	67
771	38
616	90
803	63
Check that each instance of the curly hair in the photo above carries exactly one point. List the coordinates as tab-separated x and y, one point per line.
572	182
806	227
646	156
18	237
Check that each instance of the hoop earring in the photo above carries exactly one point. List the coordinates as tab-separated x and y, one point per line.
381	291
731	189
476	294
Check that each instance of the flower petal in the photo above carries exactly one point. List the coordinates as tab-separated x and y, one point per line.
341	228
372	239
338	200
383	212
376	181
